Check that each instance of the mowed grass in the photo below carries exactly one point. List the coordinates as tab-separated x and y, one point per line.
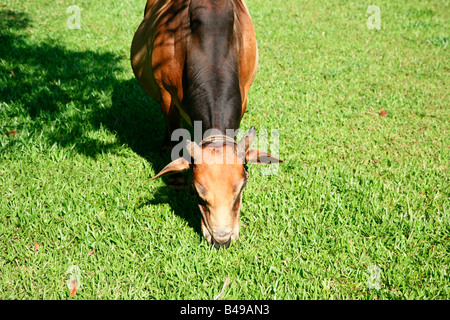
356	189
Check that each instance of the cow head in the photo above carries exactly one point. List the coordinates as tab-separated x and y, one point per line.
219	176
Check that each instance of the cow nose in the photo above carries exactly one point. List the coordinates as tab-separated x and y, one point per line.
225	244
221	239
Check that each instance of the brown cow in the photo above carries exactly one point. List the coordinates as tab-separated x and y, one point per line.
198	58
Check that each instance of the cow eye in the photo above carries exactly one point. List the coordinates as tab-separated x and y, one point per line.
200	200
192	189
197	194
243	185
237	191
246	175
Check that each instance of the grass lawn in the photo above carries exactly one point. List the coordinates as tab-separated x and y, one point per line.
79	142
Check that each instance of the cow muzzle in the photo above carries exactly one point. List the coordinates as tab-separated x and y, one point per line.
221	239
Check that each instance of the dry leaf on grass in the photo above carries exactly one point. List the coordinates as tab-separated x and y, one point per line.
383	113
73	287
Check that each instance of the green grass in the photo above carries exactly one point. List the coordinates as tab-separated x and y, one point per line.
355	190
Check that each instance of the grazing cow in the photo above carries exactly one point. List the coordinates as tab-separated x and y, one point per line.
198	58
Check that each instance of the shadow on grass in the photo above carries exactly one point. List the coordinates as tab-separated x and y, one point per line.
181	202
69	98
69	94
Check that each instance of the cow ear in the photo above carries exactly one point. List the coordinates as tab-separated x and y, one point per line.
175	166
260	157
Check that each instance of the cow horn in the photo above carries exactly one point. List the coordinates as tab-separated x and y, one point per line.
194	150
246	141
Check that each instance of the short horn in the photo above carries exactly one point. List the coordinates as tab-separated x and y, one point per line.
194	150
246	140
